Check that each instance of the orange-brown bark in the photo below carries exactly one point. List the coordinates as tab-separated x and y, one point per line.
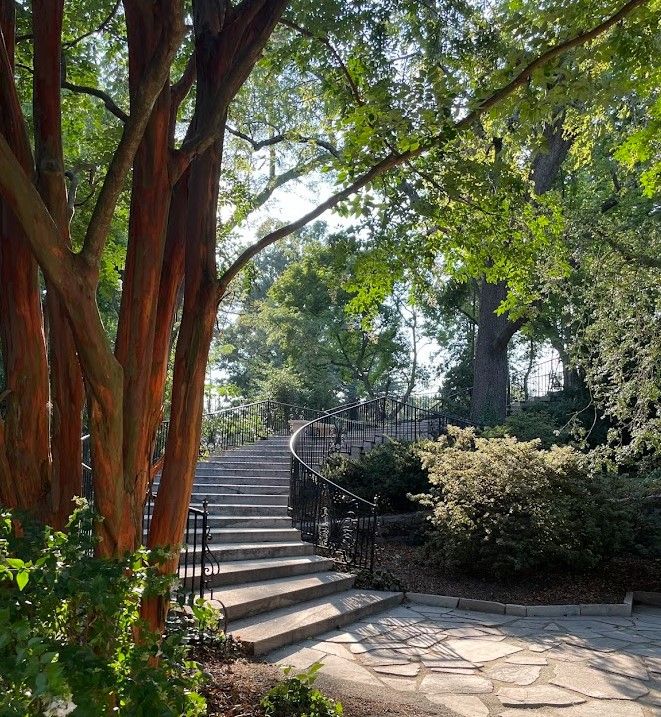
66	380
150	199
172	278
194	340
24	438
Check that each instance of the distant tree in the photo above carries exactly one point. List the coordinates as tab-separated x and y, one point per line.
300	340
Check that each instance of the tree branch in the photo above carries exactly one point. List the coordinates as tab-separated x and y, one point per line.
650	262
283	137
108	101
99	28
377	170
355	91
21	196
245	33
183	85
395	159
523	75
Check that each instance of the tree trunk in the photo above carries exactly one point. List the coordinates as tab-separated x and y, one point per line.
490	370
491	379
66	380
24	434
193	343
171	283
150	198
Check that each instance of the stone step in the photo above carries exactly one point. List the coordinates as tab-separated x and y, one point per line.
258	522
254	535
209	489
240	480
205	470
225	552
239	572
265	452
258	500
242	510
247	463
242	601
266	632
279	466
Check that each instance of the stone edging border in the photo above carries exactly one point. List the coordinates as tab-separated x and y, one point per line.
623	609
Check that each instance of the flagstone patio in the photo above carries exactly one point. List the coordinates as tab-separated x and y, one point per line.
481	665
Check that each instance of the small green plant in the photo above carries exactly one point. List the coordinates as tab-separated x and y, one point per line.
68	629
295	697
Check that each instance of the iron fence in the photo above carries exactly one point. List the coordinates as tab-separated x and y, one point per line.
338	522
234	427
540	381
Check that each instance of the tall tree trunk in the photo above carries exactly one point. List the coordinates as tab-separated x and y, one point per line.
24	439
67	390
169	290
490	370
193	343
490	382
150	198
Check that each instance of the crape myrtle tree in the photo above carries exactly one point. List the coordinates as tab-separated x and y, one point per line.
169	162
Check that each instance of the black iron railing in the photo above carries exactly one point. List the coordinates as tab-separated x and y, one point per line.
233	427
540	381
225	429
338	522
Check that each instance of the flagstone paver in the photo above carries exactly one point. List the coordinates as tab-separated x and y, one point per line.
480	665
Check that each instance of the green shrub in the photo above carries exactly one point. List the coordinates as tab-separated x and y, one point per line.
527	425
295	697
501	506
391	471
68	624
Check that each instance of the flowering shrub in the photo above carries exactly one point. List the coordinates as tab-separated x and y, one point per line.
68	623
502	506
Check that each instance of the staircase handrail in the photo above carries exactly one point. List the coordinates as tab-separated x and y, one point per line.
295	456
336	520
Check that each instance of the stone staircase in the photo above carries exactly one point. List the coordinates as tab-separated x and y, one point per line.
274	589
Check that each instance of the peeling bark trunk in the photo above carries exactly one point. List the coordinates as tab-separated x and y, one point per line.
193	343
67	391
171	282
24	436
150	197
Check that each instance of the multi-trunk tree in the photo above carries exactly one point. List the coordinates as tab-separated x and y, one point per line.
56	352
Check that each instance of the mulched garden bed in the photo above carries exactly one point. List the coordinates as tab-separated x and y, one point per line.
608	584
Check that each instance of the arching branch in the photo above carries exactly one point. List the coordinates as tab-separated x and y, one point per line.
108	101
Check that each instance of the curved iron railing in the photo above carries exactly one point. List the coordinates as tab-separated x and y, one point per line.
338	522
236	426
228	428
